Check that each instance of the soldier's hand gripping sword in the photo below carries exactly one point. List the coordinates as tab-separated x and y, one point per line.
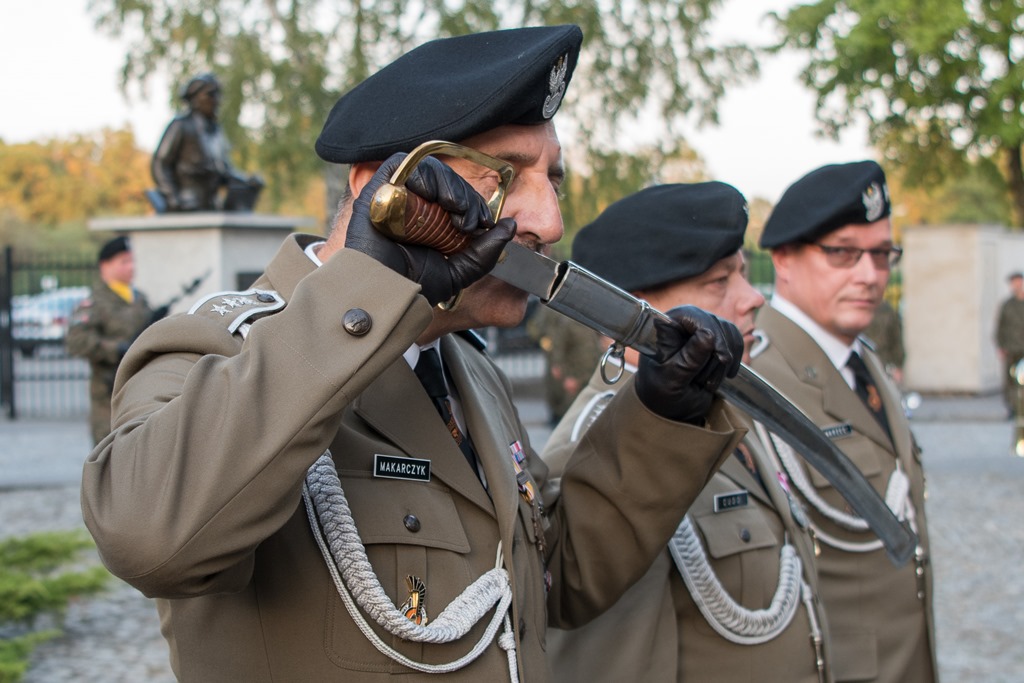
579	294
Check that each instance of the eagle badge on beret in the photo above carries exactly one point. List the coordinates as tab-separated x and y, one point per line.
556	86
874	202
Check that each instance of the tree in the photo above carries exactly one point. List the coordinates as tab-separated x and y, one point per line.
72	179
283	63
938	80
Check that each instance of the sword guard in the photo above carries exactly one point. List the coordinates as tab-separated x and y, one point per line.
408	218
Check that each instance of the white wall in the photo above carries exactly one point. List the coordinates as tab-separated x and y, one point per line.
954	278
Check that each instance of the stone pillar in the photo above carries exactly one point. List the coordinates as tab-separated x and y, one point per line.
173	249
954	278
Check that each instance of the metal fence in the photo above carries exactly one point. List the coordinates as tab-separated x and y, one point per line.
37	291
39	380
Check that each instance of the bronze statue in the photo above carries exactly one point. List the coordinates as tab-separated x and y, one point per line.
192	163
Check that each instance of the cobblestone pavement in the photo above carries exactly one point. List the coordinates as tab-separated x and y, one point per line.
974	509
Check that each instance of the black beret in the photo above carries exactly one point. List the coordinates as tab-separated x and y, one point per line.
451	89
113	248
827	199
663	234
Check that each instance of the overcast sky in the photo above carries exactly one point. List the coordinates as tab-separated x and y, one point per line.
59	76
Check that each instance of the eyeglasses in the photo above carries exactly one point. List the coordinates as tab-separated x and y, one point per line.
848	257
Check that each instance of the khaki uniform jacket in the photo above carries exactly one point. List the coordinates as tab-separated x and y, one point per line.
881	629
101	326
195	497
656	631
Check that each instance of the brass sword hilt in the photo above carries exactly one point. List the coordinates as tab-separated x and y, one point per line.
408	218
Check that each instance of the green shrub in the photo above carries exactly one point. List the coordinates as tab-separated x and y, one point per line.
34	581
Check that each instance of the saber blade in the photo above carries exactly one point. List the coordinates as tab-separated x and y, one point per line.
615	313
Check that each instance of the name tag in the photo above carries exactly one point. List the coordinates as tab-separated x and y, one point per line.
838	431
730	501
393	467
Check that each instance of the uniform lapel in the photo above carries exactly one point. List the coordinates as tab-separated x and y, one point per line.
892	400
742	477
815	370
737	471
490	426
397	406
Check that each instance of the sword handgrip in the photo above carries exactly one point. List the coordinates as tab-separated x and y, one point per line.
408	218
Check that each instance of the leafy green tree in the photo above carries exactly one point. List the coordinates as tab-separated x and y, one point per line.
939	81
614	174
284	63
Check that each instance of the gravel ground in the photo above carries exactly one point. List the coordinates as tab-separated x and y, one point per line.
974	511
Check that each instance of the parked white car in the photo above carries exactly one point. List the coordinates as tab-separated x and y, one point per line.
42	319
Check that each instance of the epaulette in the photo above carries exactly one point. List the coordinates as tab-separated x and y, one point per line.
867	342
474	338
761	343
239	308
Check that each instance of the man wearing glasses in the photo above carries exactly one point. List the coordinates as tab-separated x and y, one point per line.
832	248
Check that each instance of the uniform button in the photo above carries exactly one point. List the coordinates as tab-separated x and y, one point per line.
522	628
264	297
357	322
745	535
412	523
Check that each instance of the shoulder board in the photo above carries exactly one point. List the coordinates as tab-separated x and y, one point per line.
761	343
867	342
238	308
474	338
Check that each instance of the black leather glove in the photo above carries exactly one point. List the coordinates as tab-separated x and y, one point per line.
694	355
440	277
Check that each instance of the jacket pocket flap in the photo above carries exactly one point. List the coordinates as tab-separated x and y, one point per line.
735	531
408	512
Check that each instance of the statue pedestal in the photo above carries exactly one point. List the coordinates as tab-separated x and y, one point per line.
171	250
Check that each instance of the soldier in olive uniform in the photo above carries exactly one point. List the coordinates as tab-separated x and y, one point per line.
571	350
832	248
734	595
886	335
325	478
1010	338
105	324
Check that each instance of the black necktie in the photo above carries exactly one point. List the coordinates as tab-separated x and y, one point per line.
868	392
428	369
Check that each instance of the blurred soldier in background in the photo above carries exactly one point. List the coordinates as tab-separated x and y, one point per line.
886	333
571	350
1010	338
104	325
